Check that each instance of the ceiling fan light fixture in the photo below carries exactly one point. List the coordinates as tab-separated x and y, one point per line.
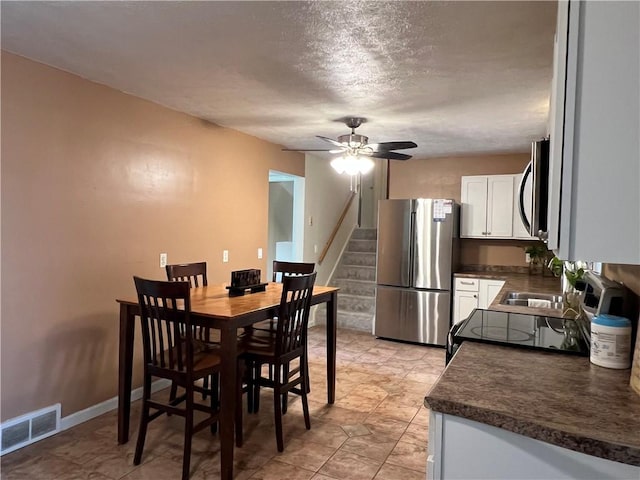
352	164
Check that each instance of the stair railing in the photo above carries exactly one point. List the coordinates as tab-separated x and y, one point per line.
332	237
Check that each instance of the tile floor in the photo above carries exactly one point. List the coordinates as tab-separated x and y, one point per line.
377	428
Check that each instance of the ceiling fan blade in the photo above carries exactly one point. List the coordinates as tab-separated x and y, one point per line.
390	155
386	146
331	141
307	150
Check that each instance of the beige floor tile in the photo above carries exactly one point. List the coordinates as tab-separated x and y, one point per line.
392	408
349	466
375	447
43	467
275	470
394	472
325	433
356	430
393	377
307	455
415	433
409	455
422	417
388	427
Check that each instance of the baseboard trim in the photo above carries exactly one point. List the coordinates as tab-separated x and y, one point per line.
108	405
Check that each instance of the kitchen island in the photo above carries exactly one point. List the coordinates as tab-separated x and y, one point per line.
503	412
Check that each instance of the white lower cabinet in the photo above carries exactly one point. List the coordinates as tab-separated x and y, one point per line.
488	292
459	448
464	303
470	293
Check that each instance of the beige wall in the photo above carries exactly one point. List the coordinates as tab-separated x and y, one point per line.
441	178
95	184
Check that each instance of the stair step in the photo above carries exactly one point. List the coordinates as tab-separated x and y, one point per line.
361	246
356	272
355	287
365	234
359	258
347	319
356	303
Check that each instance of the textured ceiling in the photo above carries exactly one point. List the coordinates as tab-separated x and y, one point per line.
455	77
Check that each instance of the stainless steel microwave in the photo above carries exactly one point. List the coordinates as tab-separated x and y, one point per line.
534	190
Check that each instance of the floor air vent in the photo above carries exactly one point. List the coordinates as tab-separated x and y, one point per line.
26	429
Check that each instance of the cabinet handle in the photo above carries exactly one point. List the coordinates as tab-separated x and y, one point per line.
488	233
466	283
475	296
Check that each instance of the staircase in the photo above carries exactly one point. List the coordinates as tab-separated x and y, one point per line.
356	277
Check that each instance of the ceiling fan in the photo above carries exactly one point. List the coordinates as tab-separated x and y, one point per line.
356	145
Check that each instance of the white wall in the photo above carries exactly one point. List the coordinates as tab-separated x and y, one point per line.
326	194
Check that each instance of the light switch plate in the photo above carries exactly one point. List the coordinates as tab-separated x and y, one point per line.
225	256
163	260
259	253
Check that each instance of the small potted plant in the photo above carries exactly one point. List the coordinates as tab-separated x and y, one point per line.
537	258
570	272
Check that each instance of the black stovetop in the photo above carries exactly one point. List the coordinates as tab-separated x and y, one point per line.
523	330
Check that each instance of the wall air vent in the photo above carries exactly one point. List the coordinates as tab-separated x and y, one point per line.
29	428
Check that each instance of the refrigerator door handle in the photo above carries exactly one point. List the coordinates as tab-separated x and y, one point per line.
412	247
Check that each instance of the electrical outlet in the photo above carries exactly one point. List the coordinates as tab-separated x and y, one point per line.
310	220
225	256
315	249
163	260
259	253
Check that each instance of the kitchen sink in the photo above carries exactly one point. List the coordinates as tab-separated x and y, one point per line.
522	299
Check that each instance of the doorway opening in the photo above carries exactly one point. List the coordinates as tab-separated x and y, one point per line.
286	219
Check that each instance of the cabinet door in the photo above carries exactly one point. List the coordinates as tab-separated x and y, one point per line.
489	290
464	303
597	193
500	206
474	206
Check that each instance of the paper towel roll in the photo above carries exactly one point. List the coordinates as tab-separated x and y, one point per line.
538	303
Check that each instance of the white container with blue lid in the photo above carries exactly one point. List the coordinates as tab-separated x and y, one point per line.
611	341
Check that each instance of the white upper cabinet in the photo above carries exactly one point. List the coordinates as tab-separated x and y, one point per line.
487	206
594	198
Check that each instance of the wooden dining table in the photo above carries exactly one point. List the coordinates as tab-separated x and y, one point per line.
212	307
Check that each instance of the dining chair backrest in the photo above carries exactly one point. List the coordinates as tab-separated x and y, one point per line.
194	273
167	334
282	269
293	316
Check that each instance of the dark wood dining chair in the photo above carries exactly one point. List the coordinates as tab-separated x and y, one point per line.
196	275
278	351
172	351
281	269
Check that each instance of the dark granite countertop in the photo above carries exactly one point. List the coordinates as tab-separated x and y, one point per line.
559	399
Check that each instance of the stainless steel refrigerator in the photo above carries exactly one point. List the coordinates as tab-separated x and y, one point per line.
417	254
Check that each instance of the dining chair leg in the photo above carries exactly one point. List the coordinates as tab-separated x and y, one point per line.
238	419
144	420
256	386
303	394
188	433
277	406
173	393
285	379
215	400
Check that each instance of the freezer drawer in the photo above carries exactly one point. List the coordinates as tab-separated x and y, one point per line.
421	316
